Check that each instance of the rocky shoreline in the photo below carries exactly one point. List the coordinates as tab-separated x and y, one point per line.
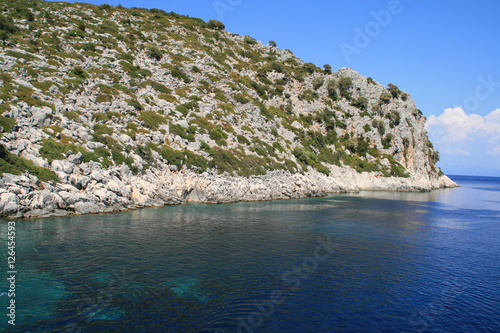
87	188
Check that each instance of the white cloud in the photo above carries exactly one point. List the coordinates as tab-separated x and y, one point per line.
495	151
468	143
456	133
493	117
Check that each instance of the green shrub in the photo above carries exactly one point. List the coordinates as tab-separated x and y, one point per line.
89	156
397	170
394	117
102	98
105	116
168	98
385	98
241	99
186	107
248	129
100	129
380	126
11	163
108	27
187	134
4	37
275	66
433	156
305	155
219	95
361	103
7	123
394	90
159	87
373	151
103	152
345	84
184	157
218	135
331	87
214	24
119	158
7	25
242	139
249	40
361	165
71	115
318	82
154	53
180	75
44	85
78	72
151	119
134	103
206	147
76	33
310	68
89	47
25	56
386	142
309	95
323	169
52	150
280	82
362	146
377	109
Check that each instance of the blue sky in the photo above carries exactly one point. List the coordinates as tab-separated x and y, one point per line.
444	53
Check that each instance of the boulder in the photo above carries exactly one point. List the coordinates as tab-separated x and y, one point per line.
76	158
86	207
62	166
10	208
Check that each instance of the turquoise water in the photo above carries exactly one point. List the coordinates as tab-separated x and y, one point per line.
371	261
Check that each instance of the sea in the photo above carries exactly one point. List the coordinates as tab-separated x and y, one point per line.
372	261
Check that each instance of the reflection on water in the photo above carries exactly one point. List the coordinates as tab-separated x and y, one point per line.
215	268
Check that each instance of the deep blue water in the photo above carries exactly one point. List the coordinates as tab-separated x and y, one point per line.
364	262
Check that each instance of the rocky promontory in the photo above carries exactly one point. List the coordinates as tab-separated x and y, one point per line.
108	108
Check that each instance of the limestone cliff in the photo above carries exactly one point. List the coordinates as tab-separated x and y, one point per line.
105	108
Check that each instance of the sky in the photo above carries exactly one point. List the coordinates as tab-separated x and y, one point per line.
445	54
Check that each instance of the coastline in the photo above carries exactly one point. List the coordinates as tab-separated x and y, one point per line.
103	191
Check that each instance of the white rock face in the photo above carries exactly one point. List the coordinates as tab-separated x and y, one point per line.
99	193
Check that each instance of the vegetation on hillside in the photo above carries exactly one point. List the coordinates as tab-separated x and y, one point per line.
171	88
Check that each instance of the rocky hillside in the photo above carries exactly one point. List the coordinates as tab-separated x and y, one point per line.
106	108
